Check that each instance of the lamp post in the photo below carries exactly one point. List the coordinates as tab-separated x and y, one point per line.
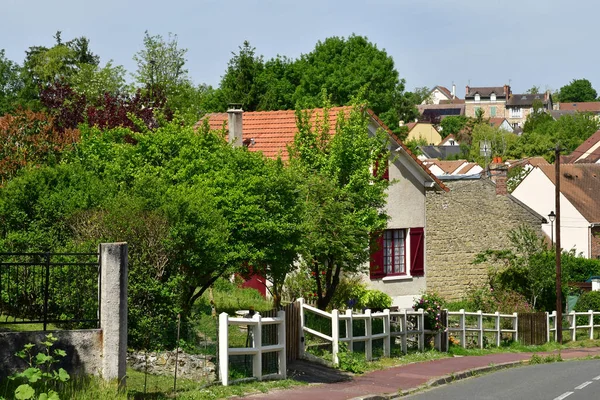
551	218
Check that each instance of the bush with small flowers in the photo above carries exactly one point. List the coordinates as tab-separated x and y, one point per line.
432	305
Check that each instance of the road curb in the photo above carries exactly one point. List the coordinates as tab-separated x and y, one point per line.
442	380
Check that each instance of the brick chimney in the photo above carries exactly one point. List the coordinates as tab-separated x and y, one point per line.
467	88
234	116
507	91
498	174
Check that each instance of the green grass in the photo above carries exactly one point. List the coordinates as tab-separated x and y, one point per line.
157	387
23	327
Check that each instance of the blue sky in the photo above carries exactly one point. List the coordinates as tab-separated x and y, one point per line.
433	42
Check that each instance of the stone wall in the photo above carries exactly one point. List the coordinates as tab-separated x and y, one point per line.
486	106
83	348
595	239
189	366
467	220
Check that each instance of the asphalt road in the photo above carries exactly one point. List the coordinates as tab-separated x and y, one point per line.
572	380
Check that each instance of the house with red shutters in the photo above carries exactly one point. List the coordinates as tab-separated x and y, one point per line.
398	266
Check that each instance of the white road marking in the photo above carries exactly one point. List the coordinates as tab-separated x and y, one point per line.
597	378
584	384
564	396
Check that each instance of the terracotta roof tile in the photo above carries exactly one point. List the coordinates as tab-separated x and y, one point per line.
273	131
591	106
587	152
580	184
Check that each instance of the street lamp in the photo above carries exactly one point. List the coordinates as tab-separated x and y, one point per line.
552	217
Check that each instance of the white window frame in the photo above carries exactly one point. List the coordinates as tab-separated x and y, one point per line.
516	113
477	98
395	252
493	97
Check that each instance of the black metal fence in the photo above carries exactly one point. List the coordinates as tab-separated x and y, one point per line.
55	290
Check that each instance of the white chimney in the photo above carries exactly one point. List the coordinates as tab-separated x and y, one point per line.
453	90
235	124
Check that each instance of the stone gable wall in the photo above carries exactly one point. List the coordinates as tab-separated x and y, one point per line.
595	250
467	220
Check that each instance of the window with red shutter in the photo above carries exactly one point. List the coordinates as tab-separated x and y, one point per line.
417	251
376	264
386	173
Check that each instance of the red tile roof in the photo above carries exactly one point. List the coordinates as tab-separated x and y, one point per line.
580	184
496	121
587	152
273	131
591	106
411	125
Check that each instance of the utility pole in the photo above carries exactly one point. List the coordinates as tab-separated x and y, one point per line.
558	248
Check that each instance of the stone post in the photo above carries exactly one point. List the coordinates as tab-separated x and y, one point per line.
113	314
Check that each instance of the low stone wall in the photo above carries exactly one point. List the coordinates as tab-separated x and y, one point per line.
189	366
83	348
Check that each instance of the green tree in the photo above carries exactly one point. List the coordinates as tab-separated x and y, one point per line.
453	125
343	66
10	84
242	82
343	202
578	90
160	64
501	143
93	81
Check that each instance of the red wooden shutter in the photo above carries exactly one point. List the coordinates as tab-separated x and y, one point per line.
386	173
376	264
417	252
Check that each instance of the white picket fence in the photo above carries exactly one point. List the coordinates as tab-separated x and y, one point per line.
399	319
572	322
256	349
479	328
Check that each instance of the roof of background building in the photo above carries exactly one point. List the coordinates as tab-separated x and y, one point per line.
587	152
486	91
590	106
273	131
580	184
527	99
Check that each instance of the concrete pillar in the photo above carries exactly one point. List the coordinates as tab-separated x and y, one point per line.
113	314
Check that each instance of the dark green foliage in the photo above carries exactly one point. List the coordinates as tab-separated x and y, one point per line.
529	269
588	301
578	90
453	125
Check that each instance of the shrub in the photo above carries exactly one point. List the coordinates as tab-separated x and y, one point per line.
432	304
588	301
375	299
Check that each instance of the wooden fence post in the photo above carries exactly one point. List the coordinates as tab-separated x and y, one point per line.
480	326
404	327
516	326
421	318
463	332
335	336
591	324
224	348
257	344
282	341
498	329
302	341
349	334
387	331
368	333
573	326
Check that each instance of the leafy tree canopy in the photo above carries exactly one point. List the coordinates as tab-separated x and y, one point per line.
578	90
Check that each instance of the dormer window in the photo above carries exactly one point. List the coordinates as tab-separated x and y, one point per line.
477	97
493	97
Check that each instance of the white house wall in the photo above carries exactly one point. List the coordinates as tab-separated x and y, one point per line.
537	191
